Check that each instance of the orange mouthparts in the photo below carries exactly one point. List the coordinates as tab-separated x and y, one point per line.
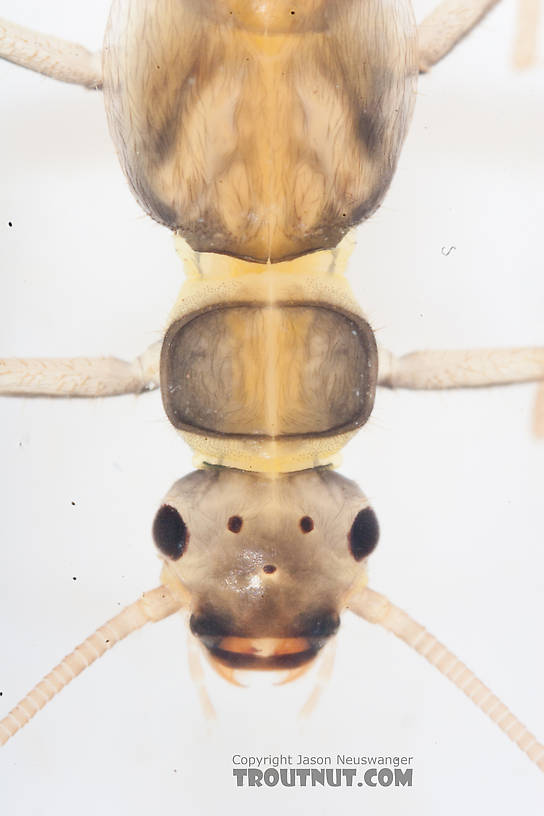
264	653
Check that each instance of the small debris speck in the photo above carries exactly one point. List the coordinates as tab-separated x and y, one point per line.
74	578
73	504
10	223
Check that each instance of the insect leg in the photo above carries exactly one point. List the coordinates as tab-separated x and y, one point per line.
322	680
538	413
448	23
80	376
56	58
527	27
197	676
470	368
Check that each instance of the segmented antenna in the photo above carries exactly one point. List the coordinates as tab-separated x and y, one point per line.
153	606
376	608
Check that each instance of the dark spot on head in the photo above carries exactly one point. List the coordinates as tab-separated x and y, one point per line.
306	524
10	223
74	578
364	534
321	625
235	524
292	12
169	532
269	569
73	504
208	624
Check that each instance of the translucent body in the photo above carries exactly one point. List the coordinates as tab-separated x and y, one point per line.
265	557
269	367
261	130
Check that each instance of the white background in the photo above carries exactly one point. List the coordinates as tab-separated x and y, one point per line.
456	478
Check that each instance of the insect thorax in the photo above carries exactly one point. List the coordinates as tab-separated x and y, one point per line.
267	367
257	129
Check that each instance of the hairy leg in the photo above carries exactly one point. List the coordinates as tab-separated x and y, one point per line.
471	368
56	58
445	26
80	376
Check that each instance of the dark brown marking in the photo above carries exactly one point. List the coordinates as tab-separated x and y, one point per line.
368	127
306	524
170	533
163	140
364	534
235	524
211	624
239	660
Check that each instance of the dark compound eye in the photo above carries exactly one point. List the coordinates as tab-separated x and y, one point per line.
169	532
306	524
364	534
235	524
